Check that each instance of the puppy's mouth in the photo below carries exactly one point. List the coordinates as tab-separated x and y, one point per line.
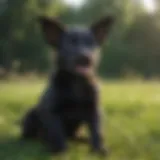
83	70
83	66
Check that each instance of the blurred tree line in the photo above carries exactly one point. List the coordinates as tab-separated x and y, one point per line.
133	47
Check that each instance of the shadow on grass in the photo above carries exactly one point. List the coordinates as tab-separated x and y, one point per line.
18	150
13	149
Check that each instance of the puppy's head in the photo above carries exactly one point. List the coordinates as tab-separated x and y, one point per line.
77	47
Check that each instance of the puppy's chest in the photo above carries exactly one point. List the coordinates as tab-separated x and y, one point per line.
79	91
76	95
75	101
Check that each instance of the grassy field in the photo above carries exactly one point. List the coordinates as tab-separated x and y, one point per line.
131	122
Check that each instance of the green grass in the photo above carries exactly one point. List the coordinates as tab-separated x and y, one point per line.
130	122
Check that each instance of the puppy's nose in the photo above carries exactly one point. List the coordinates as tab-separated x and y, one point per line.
83	60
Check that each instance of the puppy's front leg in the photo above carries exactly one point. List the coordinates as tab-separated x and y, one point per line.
54	134
94	128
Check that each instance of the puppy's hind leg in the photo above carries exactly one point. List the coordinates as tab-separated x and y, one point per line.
31	125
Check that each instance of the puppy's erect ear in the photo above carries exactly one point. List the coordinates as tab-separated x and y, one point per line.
101	28
52	29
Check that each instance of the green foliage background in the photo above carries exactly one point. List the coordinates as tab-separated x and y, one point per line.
133	46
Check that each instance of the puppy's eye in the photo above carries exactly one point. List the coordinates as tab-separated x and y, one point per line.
88	41
74	40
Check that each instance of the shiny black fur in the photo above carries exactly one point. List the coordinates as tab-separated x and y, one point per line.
72	98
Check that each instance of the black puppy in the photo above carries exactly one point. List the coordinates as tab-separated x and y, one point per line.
71	98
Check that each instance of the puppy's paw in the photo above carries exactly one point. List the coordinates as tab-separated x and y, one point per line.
100	151
56	150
